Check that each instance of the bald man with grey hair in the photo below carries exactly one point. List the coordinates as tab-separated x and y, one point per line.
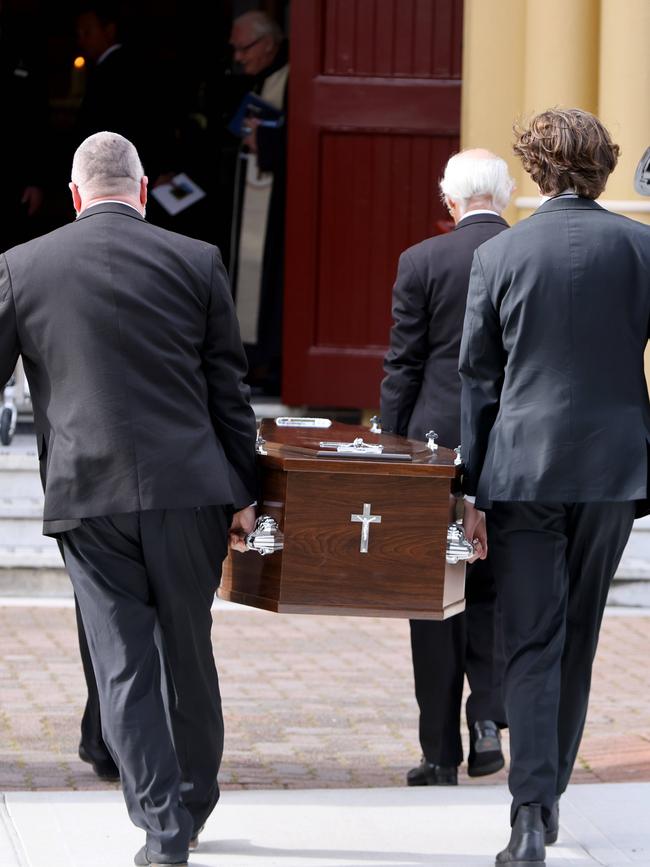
106	163
420	393
146	442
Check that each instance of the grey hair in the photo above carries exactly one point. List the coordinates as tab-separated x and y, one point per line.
261	24
477	174
107	164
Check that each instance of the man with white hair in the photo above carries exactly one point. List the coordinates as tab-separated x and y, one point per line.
257	238
421	392
146	441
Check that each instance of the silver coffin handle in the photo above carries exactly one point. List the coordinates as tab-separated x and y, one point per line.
458	547
266	537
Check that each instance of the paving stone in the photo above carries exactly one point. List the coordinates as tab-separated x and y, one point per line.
299	711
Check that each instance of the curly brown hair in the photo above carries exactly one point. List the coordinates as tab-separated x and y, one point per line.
565	149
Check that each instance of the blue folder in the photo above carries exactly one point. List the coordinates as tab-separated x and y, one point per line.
253	105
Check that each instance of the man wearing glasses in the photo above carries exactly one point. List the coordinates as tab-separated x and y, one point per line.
257	238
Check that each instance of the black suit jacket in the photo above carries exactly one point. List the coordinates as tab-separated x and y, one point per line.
132	351
554	402
421	389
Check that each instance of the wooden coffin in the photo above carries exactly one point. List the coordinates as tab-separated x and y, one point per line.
317	497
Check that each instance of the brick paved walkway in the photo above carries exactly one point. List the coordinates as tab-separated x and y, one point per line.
308	701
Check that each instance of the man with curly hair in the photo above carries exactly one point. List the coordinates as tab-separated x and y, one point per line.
555	427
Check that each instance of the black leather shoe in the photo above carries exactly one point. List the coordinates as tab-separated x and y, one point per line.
552	824
526	846
142	859
106	769
485	755
427	774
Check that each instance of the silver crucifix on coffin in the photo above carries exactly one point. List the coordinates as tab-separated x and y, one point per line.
365	519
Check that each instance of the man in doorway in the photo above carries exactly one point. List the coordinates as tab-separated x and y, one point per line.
421	392
257	257
123	93
132	351
555	426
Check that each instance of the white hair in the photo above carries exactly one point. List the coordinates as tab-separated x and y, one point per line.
107	164
261	24
475	174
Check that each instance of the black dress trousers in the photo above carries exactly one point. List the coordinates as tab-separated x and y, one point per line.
92	740
553	565
91	721
443	652
145	582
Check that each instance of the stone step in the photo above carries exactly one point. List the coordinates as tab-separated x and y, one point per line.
18	459
633	569
18	532
629	594
45	556
21	508
35	582
20	484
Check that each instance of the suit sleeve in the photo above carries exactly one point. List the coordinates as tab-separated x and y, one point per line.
482	366
224	364
9	344
408	350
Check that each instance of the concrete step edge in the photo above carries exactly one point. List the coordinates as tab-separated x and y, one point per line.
29	557
19	462
31	583
21	508
633	569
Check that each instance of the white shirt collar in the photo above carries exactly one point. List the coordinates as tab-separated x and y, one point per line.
478	211
108	51
565	194
112	202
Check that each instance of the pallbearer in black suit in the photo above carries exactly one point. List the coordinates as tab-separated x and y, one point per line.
555	426
146	438
421	392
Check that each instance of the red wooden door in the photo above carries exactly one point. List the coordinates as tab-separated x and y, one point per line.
374	114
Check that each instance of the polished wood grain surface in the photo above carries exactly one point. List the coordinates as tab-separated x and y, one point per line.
322	569
404	566
286	445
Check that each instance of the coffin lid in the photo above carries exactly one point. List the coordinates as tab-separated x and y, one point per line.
293	447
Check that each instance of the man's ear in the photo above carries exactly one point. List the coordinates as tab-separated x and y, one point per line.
76	197
143	190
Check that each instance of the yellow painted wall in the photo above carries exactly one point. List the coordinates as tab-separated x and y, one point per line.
624	88
493	83
522	56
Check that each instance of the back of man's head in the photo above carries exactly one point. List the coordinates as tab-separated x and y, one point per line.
477	178
107	164
567	149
